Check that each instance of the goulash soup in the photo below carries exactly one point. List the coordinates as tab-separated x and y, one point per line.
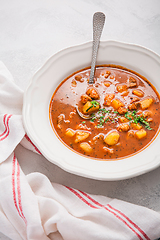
123	107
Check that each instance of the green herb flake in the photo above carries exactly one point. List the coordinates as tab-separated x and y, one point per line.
132	116
148	127
127	115
94	104
100	125
92	119
106	120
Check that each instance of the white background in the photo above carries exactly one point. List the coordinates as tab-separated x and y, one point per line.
33	30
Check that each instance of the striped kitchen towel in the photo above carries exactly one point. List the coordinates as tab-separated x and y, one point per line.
33	208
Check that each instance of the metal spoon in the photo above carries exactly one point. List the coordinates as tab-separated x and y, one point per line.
84	116
98	23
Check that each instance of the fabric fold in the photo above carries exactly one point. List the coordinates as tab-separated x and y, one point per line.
33	208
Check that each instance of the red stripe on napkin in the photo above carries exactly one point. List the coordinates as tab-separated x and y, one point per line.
6	125
138	228
121	216
116	210
16	188
29	140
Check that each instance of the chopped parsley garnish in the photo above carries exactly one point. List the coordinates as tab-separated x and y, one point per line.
103	110
115	112
92	119
94	104
99	125
132	116
128	115
106	120
143	121
103	116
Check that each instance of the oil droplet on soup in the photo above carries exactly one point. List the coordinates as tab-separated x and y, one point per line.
123	106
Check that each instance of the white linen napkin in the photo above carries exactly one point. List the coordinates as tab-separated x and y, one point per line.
33	208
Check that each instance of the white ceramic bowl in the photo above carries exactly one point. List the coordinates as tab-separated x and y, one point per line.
38	95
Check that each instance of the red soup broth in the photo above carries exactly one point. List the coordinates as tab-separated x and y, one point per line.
124	110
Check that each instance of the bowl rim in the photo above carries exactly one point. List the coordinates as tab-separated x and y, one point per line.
63	164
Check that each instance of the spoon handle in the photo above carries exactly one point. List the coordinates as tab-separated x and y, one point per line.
98	23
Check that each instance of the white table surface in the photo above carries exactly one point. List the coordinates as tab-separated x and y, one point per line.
33	30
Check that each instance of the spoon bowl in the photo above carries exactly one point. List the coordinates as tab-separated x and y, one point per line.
84	116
